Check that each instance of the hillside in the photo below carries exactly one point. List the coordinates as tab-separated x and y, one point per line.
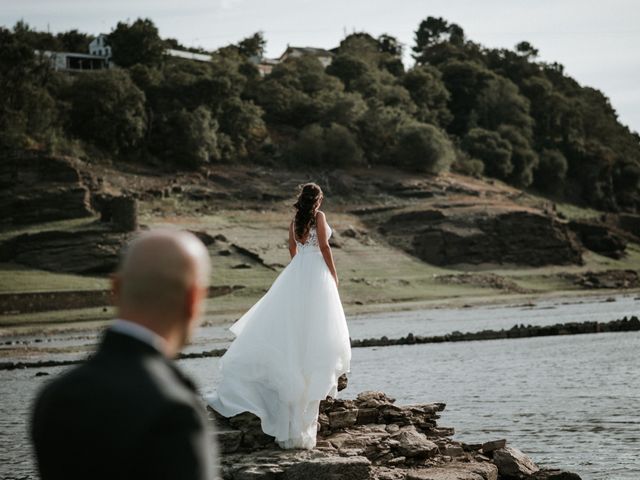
463	107
400	240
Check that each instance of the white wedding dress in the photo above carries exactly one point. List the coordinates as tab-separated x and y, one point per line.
290	348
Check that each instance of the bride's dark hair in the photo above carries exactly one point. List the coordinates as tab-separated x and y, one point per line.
308	202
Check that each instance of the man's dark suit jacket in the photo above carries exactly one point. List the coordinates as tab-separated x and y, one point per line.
127	413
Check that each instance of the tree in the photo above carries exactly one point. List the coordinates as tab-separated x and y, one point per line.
187	138
108	110
334	145
378	131
74	41
424	148
551	171
523	157
499	103
27	110
493	150
242	121
527	50
464	80
341	147
390	45
136	43
348	68
429	94
435	31
253	46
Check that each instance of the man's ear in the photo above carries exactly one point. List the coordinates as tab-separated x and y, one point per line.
190	302
194	297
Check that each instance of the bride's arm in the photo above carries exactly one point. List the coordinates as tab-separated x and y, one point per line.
323	242
293	248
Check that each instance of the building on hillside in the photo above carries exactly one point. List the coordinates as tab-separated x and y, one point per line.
99	46
264	65
98	58
198	57
324	56
74	62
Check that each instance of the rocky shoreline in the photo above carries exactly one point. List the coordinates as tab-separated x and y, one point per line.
631	324
371	437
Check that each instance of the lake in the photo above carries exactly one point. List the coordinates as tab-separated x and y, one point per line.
566	401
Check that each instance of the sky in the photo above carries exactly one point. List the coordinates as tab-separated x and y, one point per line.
598	42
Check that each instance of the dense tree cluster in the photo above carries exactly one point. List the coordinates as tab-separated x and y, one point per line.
496	112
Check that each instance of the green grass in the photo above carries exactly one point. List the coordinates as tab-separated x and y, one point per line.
574	212
373	275
17	278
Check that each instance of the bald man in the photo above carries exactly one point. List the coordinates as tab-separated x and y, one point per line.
128	412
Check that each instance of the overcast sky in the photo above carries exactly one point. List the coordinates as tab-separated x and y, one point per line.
597	41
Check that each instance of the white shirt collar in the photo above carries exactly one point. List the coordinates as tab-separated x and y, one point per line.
139	332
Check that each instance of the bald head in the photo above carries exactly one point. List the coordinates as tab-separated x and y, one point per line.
159	278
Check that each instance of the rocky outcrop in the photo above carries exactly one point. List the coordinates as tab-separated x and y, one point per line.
31	302
37	188
85	251
614	279
477	236
599	238
370	437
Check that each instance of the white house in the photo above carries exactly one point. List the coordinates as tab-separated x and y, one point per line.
99	46
74	62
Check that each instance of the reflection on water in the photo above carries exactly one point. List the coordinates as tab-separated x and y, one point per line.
567	401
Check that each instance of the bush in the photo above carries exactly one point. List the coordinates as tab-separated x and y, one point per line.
187	138
308	149
467	165
492	149
424	148
341	147
334	145
108	110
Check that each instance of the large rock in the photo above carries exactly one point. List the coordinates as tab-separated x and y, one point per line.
37	188
512	463
330	468
554	474
412	443
85	252
502	236
456	471
599	238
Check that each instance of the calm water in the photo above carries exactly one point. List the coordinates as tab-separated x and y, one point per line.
570	401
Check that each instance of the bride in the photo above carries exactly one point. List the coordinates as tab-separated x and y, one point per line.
293	344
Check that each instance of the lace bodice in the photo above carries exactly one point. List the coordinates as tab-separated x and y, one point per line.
312	238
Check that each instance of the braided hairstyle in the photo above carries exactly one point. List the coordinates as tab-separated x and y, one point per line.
306	206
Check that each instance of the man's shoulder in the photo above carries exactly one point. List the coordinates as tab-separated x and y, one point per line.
141	381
